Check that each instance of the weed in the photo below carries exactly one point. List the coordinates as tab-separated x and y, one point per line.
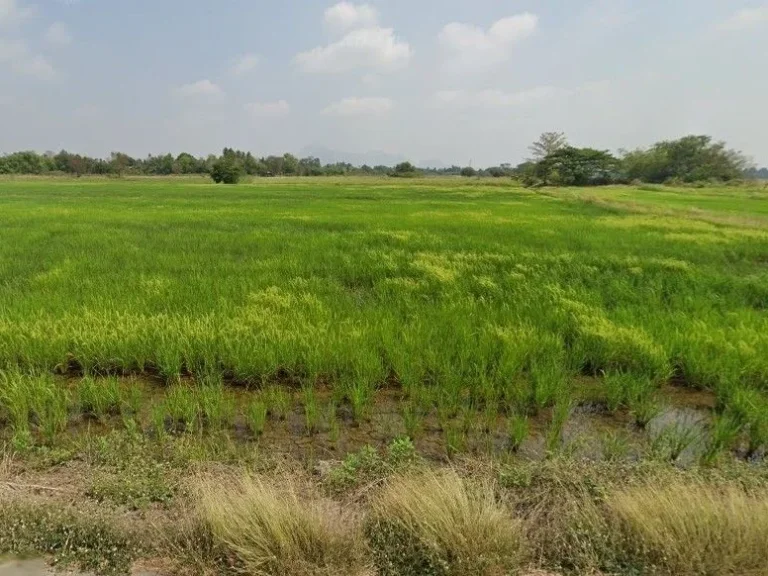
85	539
615	446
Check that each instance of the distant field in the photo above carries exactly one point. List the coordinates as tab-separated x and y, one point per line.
464	292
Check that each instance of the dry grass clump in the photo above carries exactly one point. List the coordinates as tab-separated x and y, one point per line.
439	524
267	528
692	529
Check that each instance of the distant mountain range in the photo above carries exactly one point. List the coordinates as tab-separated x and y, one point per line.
371	158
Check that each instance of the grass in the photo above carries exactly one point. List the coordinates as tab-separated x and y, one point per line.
269	529
440	524
689	529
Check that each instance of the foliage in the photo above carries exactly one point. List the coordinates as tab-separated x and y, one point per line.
689	159
226	170
570	166
405	170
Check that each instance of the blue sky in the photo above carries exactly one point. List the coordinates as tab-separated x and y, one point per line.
449	80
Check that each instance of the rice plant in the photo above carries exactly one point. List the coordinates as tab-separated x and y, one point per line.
360	396
182	407
723	435
256	416
217	406
560	415
332	422
518	429
278	402
413	419
99	397
311	410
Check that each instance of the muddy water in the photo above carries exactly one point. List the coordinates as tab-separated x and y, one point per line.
586	430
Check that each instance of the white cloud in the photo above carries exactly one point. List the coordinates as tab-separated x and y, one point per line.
498	98
201	88
366	48
360	107
276	109
347	16
361	45
471	46
17	55
745	19
246	63
58	34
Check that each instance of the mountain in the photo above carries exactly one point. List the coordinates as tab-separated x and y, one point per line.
371	158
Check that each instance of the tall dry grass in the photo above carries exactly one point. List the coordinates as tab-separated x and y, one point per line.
438	523
684	529
267	528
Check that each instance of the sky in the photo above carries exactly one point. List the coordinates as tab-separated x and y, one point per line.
432	81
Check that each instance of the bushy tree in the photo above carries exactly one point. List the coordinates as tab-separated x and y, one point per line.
405	170
571	166
226	170
468	172
689	159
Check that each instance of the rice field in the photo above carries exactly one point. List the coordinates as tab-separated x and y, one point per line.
458	305
383	377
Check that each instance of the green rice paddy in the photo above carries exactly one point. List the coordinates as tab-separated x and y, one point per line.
456	294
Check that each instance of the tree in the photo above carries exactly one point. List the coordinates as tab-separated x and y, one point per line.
226	170
571	166
405	170
468	172
547	144
688	159
120	162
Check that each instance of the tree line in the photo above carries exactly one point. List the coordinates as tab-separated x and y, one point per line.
553	162
690	159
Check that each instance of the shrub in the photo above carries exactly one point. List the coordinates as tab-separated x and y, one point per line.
439	524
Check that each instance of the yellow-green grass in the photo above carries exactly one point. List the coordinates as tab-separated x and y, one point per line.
439	523
693	529
267	528
494	294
